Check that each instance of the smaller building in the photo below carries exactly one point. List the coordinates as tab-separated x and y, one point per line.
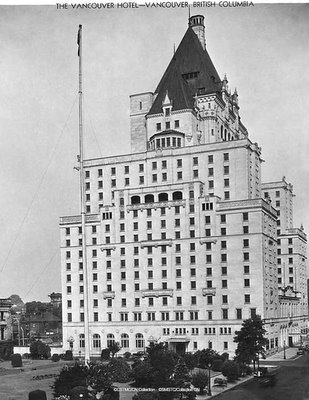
5	319
55	299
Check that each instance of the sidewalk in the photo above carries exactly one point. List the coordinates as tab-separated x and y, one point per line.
290	353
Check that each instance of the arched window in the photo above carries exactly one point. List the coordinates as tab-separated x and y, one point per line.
139	339
225	134
163	197
96	341
110	339
177	196
124	340
221	132
149	198
135	200
81	340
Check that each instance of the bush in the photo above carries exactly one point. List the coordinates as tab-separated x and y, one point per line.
26	356
6	350
127	355
119	370
68	356
200	380
230	369
105	354
69	378
217	365
39	349
225	356
37	395
76	393
55	357
190	360
16	360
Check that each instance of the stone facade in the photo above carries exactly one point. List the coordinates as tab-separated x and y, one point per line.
181	243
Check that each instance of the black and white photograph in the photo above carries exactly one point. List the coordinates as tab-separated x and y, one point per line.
154	202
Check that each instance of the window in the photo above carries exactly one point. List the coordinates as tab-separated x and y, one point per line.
246	282
246	269
238	313
154	165
176	123
225	313
226	156
81	340
158	126
224	284
96	340
179	175
210	171
124	340
247	298
179	163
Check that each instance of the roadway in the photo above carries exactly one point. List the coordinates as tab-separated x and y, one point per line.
292	382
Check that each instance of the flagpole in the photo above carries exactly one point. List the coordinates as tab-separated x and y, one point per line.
82	198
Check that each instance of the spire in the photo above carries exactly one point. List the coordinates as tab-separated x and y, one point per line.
225	86
190	70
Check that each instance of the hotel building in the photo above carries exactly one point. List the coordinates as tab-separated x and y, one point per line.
183	239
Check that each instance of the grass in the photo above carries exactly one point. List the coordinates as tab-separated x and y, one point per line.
16	384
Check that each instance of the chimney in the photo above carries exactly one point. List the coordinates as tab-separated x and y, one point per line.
197	24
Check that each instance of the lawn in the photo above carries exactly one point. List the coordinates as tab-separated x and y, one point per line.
16	384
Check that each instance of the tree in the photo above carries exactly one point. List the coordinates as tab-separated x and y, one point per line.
181	377
200	380
39	349
114	347
157	368
206	357
251	341
191	360
230	369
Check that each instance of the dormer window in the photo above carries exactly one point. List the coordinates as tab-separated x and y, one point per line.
190	75
167	111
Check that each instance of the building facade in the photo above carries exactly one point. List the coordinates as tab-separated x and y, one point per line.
5	319
181	238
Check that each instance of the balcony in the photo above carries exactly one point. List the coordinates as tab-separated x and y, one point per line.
157	293
209	291
208	240
155	205
108	247
156	243
77	219
109	295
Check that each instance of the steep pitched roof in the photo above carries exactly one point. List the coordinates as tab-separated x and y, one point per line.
190	57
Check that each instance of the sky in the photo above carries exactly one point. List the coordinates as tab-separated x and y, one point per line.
263	49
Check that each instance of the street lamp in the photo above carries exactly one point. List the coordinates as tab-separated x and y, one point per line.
284	356
209	388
